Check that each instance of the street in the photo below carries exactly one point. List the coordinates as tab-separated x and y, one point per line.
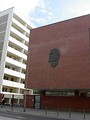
22	116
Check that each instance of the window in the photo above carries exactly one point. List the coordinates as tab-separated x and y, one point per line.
5	77
13	68
59	93
10	90
12	79
7	66
4	89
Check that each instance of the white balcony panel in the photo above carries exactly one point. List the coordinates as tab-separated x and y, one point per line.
16	63
19	34
20	25
16	95
15	52
13	84
16	42
14	73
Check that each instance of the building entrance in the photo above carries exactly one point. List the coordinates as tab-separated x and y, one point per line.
37	102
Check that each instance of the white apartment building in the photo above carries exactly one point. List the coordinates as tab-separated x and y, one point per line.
14	39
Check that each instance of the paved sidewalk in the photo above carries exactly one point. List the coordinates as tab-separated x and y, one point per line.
67	115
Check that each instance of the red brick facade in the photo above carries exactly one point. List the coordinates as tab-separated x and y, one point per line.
60	102
65	102
30	101
72	38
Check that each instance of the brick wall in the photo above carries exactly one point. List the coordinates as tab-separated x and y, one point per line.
62	102
30	101
71	37
0	97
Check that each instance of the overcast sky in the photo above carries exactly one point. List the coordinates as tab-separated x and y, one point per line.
44	12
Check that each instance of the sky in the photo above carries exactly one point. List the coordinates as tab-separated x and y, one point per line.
44	12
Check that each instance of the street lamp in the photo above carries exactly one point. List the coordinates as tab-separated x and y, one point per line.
26	82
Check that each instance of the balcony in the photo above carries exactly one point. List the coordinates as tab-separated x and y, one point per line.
16	63
17	53
20	26
14	73
19	44
13	84
22	36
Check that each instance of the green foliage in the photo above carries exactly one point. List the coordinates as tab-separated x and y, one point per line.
35	91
